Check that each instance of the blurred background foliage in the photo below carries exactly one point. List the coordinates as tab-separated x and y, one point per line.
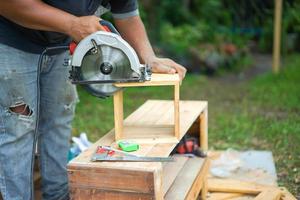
217	34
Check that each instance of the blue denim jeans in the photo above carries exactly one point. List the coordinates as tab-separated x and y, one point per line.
50	99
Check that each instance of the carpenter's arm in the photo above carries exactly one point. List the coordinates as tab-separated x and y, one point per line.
35	14
133	31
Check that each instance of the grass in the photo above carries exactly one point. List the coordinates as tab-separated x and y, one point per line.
261	113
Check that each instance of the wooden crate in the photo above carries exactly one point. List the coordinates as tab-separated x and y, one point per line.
122	130
137	180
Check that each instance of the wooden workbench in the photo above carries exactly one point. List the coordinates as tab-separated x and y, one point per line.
137	180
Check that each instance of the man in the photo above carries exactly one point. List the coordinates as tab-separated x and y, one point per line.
40	104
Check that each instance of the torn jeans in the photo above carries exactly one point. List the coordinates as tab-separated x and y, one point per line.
47	102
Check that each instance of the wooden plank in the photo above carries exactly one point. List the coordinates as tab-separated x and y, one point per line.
235	186
223	196
96	194
170	171
112	179
156	80
204	130
286	195
277	36
200	183
118	114
185	179
176	110
270	194
160	113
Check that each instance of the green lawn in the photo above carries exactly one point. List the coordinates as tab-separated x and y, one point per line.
262	113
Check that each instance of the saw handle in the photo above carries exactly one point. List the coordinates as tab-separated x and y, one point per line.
108	27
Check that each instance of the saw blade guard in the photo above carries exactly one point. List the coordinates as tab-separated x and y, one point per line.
104	58
108	39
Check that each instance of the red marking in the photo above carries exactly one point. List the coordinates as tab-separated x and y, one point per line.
106	28
72	47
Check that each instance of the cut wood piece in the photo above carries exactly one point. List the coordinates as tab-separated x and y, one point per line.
185	179
176	111
286	195
270	194
204	130
200	183
118	114
156	80
223	196
157	116
170	171
235	186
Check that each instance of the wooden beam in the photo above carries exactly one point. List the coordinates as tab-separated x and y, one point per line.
156	80
204	130
286	195
277	36
235	186
118	114
271	194
223	195
176	110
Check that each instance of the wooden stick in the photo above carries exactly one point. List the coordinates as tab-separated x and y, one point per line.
277	35
176	110
118	114
271	194
204	130
235	186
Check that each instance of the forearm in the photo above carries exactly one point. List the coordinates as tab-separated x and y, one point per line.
133	31
35	14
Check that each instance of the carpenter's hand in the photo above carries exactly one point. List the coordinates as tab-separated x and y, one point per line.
84	26
167	66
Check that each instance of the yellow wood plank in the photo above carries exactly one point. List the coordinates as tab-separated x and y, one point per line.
185	179
235	186
223	196
170	171
200	183
156	80
204	130
286	195
176	111
270	194
118	114
163	112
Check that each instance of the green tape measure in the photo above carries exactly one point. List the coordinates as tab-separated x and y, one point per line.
128	146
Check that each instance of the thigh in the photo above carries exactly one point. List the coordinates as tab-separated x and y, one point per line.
18	86
58	99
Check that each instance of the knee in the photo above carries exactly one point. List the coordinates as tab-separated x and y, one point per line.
21	108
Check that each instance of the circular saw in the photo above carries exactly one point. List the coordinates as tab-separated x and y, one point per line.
104	58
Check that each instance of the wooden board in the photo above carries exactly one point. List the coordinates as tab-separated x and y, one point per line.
182	186
223	196
271	194
235	186
156	80
157	116
170	170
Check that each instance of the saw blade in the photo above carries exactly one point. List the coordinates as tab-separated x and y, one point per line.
107	63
